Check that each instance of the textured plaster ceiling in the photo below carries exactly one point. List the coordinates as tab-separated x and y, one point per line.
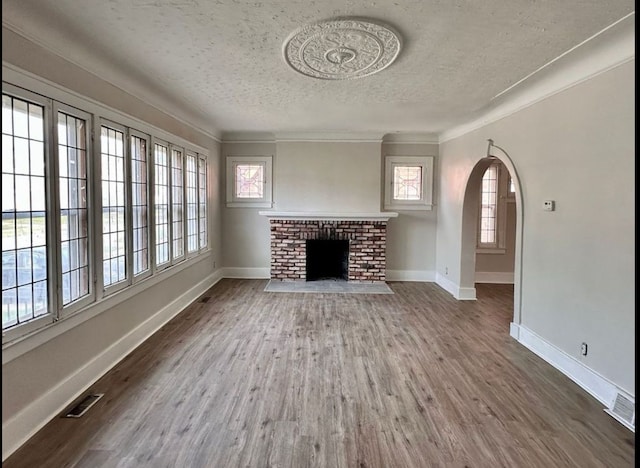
219	63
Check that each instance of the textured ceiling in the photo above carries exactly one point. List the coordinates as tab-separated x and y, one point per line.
219	63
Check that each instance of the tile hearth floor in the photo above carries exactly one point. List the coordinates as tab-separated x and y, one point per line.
327	286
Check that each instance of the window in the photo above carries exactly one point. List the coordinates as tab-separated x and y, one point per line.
177	203
114	268
25	219
140	203
161	202
74	219
192	203
408	182
249	181
494	192
202	187
56	174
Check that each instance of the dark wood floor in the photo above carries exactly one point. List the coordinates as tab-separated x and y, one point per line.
414	379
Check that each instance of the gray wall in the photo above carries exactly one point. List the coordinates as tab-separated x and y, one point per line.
504	262
336	177
40	370
575	147
245	234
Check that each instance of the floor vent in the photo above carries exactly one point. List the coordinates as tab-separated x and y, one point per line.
204	300
82	407
624	410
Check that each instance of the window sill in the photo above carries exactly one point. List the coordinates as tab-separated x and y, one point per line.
409	207
256	204
491	251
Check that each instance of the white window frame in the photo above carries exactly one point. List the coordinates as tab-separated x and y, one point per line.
182	151
74	306
196	251
502	195
267	199
202	159
114	287
157	141
426	197
150	227
51	210
28	335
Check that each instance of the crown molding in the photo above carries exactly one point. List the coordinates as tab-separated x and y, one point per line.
604	51
329	137
151	100
400	138
248	137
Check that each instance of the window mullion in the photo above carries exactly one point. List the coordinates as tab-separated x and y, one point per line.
151	200
53	208
185	214
128	206
96	173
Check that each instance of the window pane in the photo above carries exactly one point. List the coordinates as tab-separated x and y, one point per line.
161	203
407	182
24	219
202	204
249	181
192	203
139	204
489	206
113	204
177	203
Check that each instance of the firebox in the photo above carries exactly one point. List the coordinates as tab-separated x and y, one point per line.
327	259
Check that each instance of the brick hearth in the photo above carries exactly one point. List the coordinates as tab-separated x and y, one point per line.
367	247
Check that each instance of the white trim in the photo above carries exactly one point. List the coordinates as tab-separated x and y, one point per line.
490	251
37	84
426	196
232	162
626	424
514	330
425	276
246	273
25	343
466	294
601	388
148	100
333	137
461	294
310	215
410	139
578	66
495	277
23	425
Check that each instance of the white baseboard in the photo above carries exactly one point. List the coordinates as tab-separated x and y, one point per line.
246	273
462	294
22	426
424	276
494	277
601	388
514	331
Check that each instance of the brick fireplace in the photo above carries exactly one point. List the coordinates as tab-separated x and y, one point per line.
366	238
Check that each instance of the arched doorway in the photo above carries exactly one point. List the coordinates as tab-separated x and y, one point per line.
470	213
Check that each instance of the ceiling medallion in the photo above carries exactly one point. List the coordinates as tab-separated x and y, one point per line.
342	49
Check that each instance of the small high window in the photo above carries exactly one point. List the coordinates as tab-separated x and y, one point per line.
408	182
249	181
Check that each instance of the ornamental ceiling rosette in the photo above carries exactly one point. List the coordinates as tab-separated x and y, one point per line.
342	49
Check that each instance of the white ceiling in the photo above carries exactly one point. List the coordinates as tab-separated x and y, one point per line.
218	63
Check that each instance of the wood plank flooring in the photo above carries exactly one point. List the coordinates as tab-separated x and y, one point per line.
413	379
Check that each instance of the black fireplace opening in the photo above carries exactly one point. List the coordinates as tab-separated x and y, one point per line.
327	259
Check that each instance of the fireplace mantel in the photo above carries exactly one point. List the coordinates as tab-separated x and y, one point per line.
322	216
